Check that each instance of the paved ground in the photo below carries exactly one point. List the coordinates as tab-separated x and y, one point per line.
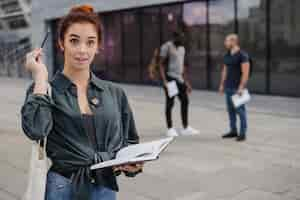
202	167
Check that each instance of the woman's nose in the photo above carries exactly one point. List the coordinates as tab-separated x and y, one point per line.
82	48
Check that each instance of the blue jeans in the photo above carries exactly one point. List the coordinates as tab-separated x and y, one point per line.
232	112
60	188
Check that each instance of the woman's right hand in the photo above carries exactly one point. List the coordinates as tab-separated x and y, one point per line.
35	65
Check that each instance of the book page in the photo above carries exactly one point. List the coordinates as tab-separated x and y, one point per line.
136	153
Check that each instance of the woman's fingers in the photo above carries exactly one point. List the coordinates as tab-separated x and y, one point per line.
33	59
132	168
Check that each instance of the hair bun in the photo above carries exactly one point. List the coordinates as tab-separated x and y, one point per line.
83	8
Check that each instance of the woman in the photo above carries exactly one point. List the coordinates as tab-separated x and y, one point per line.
86	120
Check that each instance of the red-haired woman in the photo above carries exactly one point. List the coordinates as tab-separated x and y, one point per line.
86	120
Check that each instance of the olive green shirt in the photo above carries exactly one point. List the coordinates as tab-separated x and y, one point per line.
60	119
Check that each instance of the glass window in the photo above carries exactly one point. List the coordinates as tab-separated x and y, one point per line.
111	56
151	37
221	23
171	21
195	28
285	47
58	55
252	33
99	64
131	54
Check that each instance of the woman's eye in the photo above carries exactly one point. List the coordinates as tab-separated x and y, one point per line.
74	41
91	43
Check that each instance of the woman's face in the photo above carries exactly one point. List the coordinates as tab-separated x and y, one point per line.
80	45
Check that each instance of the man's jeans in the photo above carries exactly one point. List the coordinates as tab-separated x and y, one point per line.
232	112
60	188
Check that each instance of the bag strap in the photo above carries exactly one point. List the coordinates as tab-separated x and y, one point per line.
42	143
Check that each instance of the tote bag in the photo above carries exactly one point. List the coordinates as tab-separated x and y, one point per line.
38	169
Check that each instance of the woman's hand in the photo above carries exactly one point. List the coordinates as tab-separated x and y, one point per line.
35	65
130	168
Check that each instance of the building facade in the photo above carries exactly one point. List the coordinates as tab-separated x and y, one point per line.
14	36
269	30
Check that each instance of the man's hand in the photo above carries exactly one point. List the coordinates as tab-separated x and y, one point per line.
189	88
240	91
221	89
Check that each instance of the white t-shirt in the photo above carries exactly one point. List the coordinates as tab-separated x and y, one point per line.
176	59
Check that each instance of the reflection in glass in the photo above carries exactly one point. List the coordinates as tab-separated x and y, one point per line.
112	46
285	45
252	33
151	37
194	19
221	20
132	52
99	65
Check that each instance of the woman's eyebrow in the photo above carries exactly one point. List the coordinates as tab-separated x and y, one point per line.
92	37
74	35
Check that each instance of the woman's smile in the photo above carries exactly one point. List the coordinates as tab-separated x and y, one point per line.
82	60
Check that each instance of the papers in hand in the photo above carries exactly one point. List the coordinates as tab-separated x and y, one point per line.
172	89
239	100
136	153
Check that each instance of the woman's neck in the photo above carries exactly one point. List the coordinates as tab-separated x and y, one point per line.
79	77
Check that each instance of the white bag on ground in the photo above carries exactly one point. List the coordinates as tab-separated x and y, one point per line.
38	169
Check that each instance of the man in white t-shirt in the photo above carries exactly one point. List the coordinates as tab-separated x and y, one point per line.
172	68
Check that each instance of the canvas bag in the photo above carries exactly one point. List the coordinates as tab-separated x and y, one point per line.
38	169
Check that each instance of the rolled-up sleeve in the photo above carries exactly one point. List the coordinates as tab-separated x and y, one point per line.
36	115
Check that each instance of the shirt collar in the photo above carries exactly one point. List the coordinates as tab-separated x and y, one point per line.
62	82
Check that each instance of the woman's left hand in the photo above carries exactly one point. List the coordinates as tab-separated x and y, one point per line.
131	168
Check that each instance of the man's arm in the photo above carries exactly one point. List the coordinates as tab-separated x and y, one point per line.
245	76
223	79
162	70
186	80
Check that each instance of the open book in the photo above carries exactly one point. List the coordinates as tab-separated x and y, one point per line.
239	100
136	153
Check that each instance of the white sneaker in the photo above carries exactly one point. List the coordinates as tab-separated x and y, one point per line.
172	132
190	131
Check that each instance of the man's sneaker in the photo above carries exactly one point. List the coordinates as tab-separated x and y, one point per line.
231	134
172	132
241	138
189	131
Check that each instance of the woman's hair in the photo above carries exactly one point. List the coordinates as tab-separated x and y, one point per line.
79	14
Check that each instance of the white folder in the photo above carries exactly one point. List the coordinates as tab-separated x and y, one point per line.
242	99
172	89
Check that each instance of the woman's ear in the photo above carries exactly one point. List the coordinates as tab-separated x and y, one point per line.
61	45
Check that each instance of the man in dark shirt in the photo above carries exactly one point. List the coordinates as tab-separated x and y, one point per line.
235	75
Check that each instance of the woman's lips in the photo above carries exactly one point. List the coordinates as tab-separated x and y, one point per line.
82	60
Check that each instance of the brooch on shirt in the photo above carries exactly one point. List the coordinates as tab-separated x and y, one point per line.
95	101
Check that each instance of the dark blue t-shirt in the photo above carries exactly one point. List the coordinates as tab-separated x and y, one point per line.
234	68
